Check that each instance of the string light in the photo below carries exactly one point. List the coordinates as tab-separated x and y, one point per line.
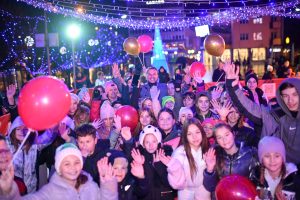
166	18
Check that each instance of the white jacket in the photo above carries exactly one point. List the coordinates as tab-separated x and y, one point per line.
179	175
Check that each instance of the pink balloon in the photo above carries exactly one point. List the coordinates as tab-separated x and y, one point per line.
146	43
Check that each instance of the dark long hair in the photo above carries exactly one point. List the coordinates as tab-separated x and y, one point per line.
187	148
15	142
219	151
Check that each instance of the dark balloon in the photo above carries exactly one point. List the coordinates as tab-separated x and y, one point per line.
235	187
43	102
129	116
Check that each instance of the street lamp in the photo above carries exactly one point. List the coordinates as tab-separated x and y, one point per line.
73	32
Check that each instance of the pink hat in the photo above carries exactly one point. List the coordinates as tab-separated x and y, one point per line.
209	121
270	144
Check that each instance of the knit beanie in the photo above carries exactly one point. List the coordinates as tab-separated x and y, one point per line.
270	68
108	85
69	122
106	110
185	110
253	75
165	99
270	144
149	130
209	121
114	154
65	150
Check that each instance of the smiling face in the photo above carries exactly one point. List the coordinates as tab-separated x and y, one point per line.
150	143
194	137
152	76
70	168
290	97
203	104
225	138
20	133
273	162
166	121
145	118
5	155
120	168
252	84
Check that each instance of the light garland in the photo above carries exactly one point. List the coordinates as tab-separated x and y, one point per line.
167	18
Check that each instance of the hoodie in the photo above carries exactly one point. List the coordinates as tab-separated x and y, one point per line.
278	122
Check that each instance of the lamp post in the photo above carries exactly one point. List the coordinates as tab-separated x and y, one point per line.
73	32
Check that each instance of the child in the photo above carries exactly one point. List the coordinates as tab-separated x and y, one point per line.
275	179
26	160
185	168
185	113
208	126
91	149
131	185
68	182
149	146
231	158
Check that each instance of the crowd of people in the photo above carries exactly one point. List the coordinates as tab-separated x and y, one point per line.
187	139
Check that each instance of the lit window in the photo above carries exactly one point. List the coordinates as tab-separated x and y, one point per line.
257	20
257	36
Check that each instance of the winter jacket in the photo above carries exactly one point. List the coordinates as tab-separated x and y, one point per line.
59	189
132	188
242	163
208	115
156	172
245	135
291	183
145	91
278	122
171	139
179	175
260	95
90	162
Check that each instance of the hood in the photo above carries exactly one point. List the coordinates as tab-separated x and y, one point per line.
296	83
16	123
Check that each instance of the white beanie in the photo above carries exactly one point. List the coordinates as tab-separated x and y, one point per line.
149	129
106	110
65	150
185	110
270	68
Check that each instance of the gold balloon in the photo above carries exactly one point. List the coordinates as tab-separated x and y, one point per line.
131	46
214	44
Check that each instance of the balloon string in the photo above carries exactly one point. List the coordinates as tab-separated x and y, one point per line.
220	77
140	60
22	144
144	58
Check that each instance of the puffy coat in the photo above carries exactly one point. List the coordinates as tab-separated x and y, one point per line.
179	175
59	189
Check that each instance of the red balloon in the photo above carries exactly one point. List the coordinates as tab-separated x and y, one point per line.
43	102
129	116
146	43
197	67
235	187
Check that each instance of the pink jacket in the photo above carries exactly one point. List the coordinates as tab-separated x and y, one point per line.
179	175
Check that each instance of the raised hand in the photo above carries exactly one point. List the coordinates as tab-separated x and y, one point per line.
6	179
126	133
10	93
224	110
116	71
210	160
163	158
86	98
156	156
64	132
216	92
231	72
137	170
97	123
154	92
105	170
137	157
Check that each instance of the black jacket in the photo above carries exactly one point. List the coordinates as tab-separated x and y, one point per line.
156	173
291	183
243	162
260	94
90	162
132	188
245	135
